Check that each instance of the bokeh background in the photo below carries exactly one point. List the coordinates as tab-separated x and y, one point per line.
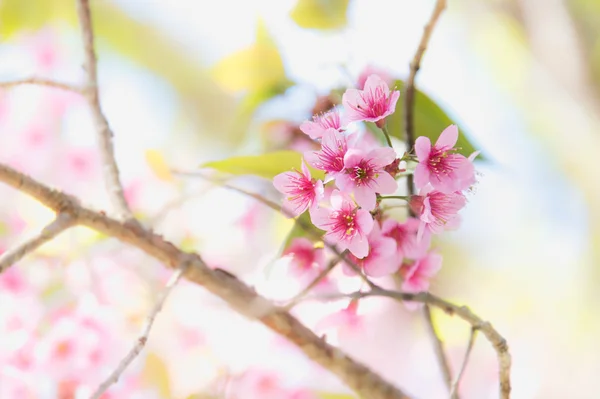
187	82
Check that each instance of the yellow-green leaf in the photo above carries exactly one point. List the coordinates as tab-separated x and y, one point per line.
320	14
266	165
256	68
157	163
155	374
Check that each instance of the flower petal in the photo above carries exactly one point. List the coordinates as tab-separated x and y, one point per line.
448	137
423	148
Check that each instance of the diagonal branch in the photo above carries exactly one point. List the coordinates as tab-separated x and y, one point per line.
409	92
438	346
62	222
103	130
234	292
143	338
41	82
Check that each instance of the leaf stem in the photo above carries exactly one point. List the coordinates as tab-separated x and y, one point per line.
387	135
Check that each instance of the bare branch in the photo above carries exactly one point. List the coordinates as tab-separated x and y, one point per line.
103	130
238	295
41	82
409	91
143	338
496	340
62	222
438	346
454	390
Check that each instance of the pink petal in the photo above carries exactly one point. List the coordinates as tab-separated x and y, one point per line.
305	171
337	199
282	180
382	156
320	217
365	197
359	246
386	184
423	148
393	100
353	158
448	137
374	81
364	221
421	175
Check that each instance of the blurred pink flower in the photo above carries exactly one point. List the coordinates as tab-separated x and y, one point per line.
301	190
346	225
440	165
265	384
417	275
316	127
436	210
365	175
381	260
372	104
405	235
331	156
347	317
305	258
373	70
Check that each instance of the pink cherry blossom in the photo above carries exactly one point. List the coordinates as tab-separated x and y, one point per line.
417	275
346	225
381	260
405	236
436	210
440	165
373	70
365	175
372	104
301	190
316	127
331	156
306	259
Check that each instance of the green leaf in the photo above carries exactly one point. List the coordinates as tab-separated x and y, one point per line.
266	165
155	374
429	120
320	14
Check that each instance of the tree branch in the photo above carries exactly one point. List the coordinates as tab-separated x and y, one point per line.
41	82
143	338
61	223
409	92
103	130
496	340
454	390
234	292
438	346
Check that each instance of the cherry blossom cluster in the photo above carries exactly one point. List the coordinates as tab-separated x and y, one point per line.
346	204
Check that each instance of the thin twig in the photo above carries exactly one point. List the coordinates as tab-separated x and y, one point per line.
41	82
103	130
239	296
455	385
496	340
438	346
294	301
61	223
143	338
409	91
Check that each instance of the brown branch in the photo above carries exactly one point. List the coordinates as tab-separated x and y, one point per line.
438	346
61	223
409	92
238	295
454	390
143	338
103	130
41	82
496	340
